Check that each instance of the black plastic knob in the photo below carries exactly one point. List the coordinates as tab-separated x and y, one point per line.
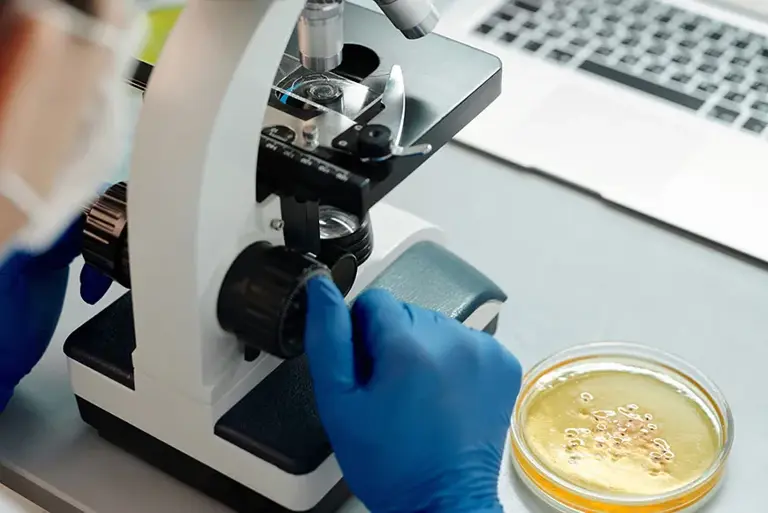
105	235
374	142
263	298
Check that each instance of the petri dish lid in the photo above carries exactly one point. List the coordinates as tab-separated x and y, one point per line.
565	488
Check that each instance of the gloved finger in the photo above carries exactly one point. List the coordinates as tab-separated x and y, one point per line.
377	312
65	249
328	337
93	284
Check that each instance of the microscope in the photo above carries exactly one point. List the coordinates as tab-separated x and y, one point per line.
270	132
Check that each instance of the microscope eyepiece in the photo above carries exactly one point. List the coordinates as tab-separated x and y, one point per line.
321	34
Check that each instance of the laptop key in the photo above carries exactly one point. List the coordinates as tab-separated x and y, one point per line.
532	46
740	44
554	34
724	114
579	42
714	52
581	23
682	59
528	5
630	60
707	68
754	125
760	106
506	16
655	69
760	87
605	51
640	84
485	28
630	42
740	61
605	32
508	37
707	87
735	97
736	78
560	56
557	16
681	78
688	43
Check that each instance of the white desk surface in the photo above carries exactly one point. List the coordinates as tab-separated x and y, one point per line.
575	269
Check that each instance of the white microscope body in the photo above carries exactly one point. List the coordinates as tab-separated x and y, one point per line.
191	212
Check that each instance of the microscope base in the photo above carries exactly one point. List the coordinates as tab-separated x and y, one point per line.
190	471
276	422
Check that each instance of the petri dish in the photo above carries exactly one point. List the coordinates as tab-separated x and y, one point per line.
620	428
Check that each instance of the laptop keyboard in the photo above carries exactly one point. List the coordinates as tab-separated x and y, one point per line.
678	56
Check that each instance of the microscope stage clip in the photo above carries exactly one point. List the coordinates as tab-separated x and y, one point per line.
381	140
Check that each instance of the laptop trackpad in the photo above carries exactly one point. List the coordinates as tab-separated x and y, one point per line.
601	141
722	194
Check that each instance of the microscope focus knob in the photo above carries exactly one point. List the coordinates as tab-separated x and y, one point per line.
105	236
263	298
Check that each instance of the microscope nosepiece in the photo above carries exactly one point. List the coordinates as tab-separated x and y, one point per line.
321	34
414	18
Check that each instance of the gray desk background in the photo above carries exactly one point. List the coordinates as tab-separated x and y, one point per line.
576	270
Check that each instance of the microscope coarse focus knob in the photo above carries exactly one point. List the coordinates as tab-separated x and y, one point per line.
263	298
105	236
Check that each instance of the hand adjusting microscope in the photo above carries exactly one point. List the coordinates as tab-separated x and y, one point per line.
244	184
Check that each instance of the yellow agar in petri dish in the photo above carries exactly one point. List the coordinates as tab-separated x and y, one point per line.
621	432
620	428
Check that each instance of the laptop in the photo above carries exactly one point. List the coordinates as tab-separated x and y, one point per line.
658	106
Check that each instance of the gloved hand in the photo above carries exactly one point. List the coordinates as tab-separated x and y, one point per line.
32	289
416	406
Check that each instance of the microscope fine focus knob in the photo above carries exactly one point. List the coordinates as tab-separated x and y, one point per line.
105	236
263	298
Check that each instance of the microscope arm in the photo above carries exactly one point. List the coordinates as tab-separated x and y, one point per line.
193	180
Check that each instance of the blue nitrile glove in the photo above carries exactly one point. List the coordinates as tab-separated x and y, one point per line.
416	405
32	289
